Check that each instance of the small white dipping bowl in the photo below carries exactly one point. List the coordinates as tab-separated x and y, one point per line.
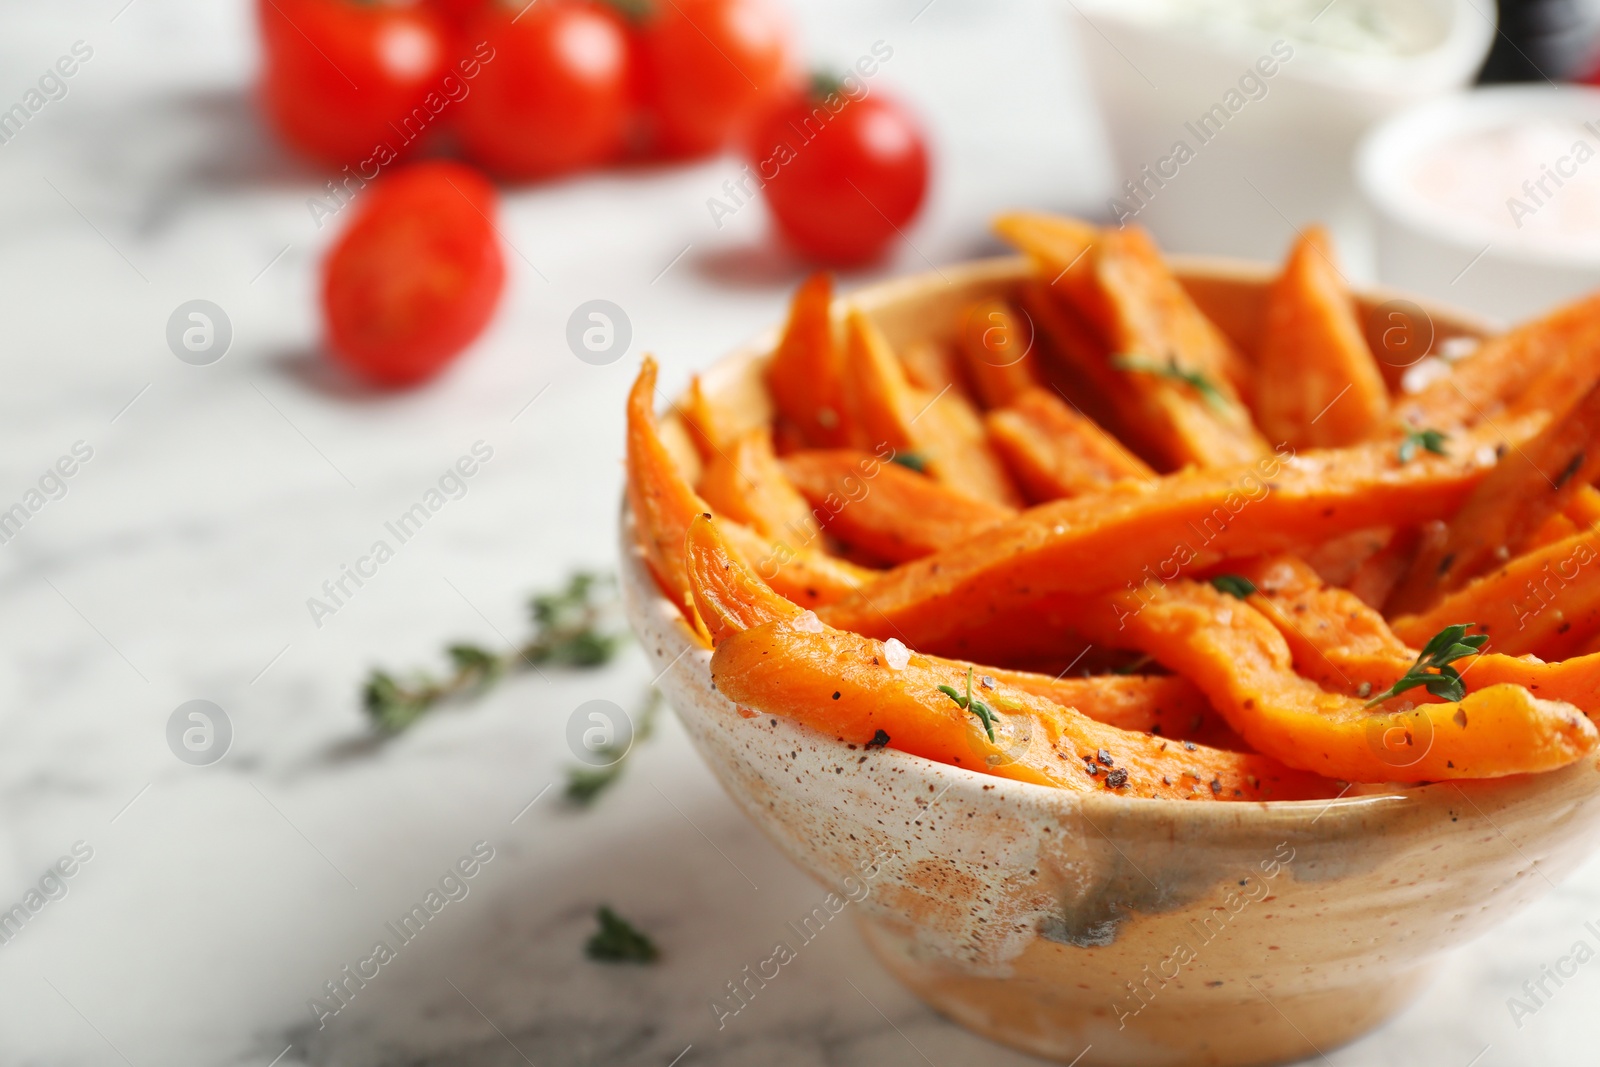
1298	84
1484	197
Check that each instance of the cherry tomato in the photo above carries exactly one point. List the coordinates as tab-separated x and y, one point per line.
557	95
842	174
457	12
416	276
706	67
339	75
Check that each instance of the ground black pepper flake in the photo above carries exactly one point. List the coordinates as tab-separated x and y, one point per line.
836	694
1446	563
879	739
1104	757
1188	746
1572	468
1092	769
1216	787
1117	779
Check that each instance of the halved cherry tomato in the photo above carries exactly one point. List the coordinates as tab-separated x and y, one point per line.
706	67
416	276
556	97
339	75
842	175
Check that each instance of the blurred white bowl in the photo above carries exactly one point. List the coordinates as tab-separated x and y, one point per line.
1455	186
1282	153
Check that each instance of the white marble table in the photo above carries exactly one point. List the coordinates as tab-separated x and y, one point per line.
218	499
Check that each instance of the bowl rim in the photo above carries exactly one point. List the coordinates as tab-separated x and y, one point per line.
1356	802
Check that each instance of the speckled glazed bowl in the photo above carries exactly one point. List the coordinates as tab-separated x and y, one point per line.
1143	931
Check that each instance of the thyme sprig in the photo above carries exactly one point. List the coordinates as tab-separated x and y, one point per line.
1195	380
1423	440
1235	585
574	626
985	714
585	784
619	941
1446	646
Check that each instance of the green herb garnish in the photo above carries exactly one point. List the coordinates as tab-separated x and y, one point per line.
1430	440
911	461
1193	379
573	627
985	714
617	941
585	784
1447	646
1234	585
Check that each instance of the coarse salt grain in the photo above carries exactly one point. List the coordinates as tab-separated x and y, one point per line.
896	654
807	623
1486	456
1424	374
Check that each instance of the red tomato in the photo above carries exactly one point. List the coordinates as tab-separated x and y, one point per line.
556	96
416	276
706	67
842	175
338	73
457	12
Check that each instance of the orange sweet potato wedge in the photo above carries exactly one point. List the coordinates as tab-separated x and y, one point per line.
1524	366
806	373
1150	532
781	661
1317	384
887	510
1530	483
745	482
1241	661
1543	602
1164	367
1347	647
663	505
1054	452
997	353
940	428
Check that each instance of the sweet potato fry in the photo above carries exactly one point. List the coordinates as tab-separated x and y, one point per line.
1170	371
1317	384
1347	647
663	505
1241	661
997	353
1054	452
1528	485
700	420
1522	366
1153	531
745	482
1543	602
1584	507
940	428
885	509
783	662
729	598
806	373
931	367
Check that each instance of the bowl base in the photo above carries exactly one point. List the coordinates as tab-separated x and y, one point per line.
1056	1005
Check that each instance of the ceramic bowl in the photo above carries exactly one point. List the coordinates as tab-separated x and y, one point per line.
1128	932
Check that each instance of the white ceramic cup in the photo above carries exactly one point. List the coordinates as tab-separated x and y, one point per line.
1275	156
1483	259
